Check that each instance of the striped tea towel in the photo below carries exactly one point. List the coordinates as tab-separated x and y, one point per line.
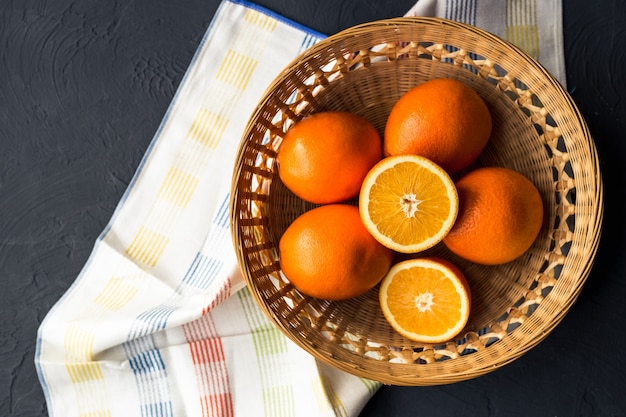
159	322
533	25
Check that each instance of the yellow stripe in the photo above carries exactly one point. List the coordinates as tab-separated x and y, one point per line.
92	398
261	20
78	345
116	294
521	25
83	371
147	246
236	69
208	128
99	413
178	187
526	37
331	396
78	342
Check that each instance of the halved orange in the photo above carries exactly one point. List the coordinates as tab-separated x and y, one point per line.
408	203
425	299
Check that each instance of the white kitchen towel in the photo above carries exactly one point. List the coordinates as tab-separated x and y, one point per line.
159	322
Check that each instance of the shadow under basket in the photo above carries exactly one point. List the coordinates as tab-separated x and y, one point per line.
537	130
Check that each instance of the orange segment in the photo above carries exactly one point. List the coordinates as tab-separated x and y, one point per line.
408	203
426	299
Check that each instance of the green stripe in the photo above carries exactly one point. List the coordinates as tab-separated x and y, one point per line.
267	339
279	401
270	349
372	386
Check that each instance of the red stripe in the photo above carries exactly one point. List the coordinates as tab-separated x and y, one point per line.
222	294
217	405
207	355
206	351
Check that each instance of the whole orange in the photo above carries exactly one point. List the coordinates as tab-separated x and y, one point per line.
442	119
327	253
324	157
500	216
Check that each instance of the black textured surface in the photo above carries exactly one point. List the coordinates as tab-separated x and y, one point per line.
84	86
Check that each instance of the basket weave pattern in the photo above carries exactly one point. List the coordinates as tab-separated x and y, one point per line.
537	131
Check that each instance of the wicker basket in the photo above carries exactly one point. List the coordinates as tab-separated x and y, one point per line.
537	131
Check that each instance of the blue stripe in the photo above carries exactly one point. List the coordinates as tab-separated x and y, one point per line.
463	11
148	366
475	10
152	320
146	363
194	269
157	409
144	356
221	217
308	41
203	272
204	280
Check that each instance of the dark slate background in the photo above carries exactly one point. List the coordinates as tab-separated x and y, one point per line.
83	87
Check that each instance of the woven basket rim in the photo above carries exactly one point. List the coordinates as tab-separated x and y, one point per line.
436	372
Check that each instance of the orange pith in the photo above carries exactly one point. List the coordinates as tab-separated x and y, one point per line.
425	299
408	203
